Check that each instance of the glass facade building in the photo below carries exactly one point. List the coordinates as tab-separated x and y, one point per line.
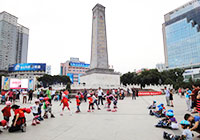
181	35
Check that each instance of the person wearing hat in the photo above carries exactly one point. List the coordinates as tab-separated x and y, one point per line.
19	120
153	106
40	118
91	103
168	122
78	102
172	120
186	134
194	122
35	109
159	112
65	103
6	112
3	123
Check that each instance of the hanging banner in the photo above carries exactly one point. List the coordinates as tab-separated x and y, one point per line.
148	93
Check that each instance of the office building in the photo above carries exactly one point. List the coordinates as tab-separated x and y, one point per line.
13	41
182	37
160	67
74	68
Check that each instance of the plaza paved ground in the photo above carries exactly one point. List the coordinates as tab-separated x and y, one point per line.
130	122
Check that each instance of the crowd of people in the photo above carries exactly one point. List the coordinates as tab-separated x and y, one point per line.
96	99
43	102
189	123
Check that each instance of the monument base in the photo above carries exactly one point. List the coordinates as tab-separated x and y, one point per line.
104	78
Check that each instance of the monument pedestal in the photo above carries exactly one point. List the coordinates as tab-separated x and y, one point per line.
104	78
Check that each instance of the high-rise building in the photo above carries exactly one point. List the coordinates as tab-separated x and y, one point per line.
74	68
181	35
160	67
13	41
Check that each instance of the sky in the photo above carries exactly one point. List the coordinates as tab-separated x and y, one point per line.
60	29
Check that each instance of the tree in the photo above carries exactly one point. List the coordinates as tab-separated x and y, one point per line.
48	80
173	77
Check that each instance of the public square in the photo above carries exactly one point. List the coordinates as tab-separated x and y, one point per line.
131	121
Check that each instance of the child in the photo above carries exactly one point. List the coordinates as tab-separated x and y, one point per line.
115	102
78	102
194	121
3	123
186	135
109	98
168	122
95	100
65	103
19	121
47	108
153	106
3	97
172	121
6	112
161	105
34	109
91	104
40	109
158	113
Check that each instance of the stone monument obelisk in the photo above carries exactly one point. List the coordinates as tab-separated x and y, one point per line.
99	74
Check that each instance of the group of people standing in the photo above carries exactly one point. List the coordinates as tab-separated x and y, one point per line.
192	98
169	96
13	95
43	106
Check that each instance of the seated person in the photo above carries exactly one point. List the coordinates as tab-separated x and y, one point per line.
158	113
172	121
186	135
3	123
19	120
168	122
194	122
161	105
153	106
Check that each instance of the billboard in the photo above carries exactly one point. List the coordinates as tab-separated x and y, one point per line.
79	77
19	83
27	67
48	69
73	64
30	84
5	83
71	76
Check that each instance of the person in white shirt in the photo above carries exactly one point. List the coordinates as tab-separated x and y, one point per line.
25	96
100	96
167	95
113	91
186	135
95	100
35	112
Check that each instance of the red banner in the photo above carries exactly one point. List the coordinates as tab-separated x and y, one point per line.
149	93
